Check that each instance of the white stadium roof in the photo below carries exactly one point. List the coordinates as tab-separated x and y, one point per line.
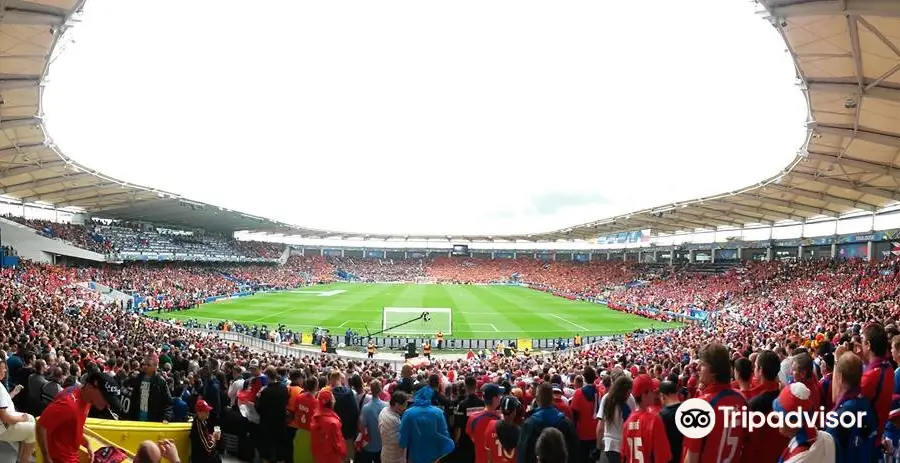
847	55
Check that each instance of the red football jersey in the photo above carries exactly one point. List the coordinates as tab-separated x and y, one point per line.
496	452
475	429
644	438
722	445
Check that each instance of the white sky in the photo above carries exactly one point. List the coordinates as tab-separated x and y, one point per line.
428	117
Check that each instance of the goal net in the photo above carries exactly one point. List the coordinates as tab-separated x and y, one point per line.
410	320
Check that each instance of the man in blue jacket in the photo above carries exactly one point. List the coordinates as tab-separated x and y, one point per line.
423	430
546	416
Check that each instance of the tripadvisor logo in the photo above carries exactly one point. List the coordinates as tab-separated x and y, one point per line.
695	418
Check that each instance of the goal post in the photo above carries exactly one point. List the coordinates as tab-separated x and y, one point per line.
441	319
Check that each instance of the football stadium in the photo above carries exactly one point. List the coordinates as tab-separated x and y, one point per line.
451	288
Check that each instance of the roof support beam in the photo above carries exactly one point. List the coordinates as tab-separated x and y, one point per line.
797	206
836	7
22	122
879	93
718	218
81	202
873	137
868	166
31	18
10	153
126	205
38	184
824	197
748	218
874	191
65	192
760	211
29	169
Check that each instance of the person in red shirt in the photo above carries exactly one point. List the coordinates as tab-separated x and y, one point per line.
802	370
644	433
303	409
560	402
327	441
721	444
764	445
502	436
60	431
655	404
584	410
878	377
479	422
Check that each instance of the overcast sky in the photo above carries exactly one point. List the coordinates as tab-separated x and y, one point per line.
428	117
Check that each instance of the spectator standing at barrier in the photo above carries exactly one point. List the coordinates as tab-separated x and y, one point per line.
423	430
327	441
370	350
440	339
389	428
271	438
368	426
150	399
60	431
204	439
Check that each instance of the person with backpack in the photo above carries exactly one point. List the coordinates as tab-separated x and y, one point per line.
543	417
615	407
857	442
644	433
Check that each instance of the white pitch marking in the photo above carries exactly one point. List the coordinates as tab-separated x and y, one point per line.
494	327
567	321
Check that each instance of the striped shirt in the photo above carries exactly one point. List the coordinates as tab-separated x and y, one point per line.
389	428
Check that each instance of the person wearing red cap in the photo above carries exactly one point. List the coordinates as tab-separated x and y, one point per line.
644	436
807	443
722	443
327	441
204	439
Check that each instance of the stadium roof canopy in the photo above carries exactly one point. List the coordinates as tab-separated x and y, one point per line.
847	55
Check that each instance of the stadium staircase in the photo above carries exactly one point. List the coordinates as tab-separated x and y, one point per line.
285	255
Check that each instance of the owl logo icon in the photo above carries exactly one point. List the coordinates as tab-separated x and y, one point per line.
695	418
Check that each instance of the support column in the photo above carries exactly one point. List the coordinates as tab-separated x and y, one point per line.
322	252
342	252
655	254
672	257
608	256
870	251
640	255
692	256
770	254
712	256
740	254
515	254
624	255
405	254
492	255
833	250
800	252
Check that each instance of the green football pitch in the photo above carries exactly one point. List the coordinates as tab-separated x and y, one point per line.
500	312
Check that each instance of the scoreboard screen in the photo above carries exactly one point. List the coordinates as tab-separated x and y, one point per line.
460	250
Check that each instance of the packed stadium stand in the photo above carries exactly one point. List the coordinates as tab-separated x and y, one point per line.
791	324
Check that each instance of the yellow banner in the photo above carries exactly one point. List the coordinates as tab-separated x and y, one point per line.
523	344
306	338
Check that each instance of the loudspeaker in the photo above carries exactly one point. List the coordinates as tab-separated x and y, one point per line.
411	350
410	355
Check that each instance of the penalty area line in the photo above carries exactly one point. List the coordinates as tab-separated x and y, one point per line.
569	322
494	327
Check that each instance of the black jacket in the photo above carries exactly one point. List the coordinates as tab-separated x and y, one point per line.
347	410
203	448
540	419
159	404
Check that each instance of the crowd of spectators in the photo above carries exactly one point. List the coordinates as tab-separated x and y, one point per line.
78	235
775	329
